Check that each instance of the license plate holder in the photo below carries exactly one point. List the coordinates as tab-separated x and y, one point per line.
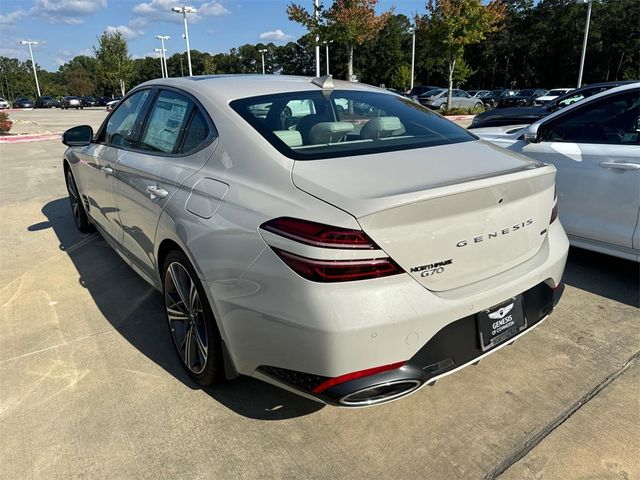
500	323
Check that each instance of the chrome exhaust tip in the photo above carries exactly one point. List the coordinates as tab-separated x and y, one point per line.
382	392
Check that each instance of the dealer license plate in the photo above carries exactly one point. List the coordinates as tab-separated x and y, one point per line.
498	324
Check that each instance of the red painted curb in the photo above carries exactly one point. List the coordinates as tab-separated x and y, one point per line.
460	117
31	137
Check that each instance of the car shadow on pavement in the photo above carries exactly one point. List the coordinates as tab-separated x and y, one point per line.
604	275
140	319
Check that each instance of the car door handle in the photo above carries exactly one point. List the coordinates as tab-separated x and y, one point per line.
620	165
154	191
106	170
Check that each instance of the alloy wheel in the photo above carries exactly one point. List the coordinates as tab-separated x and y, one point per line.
186	317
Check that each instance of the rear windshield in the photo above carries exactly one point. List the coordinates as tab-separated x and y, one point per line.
312	125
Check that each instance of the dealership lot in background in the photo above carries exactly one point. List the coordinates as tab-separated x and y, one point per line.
90	384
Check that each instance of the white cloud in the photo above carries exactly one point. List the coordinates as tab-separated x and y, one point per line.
275	36
125	30
212	9
160	10
11	18
66	11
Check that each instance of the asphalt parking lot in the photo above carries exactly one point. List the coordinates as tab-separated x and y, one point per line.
90	386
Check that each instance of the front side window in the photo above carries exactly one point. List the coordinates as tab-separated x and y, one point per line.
123	127
343	123
611	120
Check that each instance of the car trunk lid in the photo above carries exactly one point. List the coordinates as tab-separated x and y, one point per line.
448	223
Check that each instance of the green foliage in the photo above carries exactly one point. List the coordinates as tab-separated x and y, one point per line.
115	67
349	22
401	78
463	111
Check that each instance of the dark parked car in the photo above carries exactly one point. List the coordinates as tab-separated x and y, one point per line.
491	100
102	101
23	102
46	102
71	102
527	115
420	90
89	101
522	98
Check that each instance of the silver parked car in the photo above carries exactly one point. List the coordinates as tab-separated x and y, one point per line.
331	238
595	146
437	99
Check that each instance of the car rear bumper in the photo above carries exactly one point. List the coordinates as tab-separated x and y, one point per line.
454	347
273	319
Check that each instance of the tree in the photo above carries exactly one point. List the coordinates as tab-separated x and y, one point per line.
454	24
115	67
401	78
351	22
79	81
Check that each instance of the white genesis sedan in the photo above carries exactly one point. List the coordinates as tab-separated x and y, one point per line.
331	238
595	145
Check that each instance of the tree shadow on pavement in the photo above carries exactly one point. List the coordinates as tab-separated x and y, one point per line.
604	275
135	310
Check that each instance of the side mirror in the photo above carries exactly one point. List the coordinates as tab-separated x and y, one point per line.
531	134
78	136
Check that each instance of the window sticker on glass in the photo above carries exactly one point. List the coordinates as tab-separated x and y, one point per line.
165	123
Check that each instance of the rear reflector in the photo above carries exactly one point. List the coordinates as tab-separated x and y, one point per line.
332	382
338	270
318	234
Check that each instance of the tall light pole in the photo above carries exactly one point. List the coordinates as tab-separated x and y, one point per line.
163	58
412	31
184	10
584	42
262	52
33	63
159	51
326	46
317	15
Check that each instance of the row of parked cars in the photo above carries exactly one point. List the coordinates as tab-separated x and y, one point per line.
46	101
436	97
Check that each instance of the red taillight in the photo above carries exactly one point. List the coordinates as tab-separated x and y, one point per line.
318	234
319	270
331	382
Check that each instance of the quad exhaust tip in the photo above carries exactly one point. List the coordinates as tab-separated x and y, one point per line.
382	392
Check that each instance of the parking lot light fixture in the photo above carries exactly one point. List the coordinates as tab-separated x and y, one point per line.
262	52
412	32
159	52
163	58
584	41
33	63
184	10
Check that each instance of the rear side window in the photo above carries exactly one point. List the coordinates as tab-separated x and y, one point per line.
197	132
313	125
123	128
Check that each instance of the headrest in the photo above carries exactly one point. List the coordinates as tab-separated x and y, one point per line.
291	137
329	132
380	127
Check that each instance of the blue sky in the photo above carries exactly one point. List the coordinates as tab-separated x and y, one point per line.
66	28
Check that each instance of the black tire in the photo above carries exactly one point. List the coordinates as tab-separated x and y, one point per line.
77	207
188	320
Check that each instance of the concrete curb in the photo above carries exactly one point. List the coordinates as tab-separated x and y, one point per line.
37	137
460	117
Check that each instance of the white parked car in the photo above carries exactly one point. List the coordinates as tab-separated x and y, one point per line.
3	103
595	147
351	256
551	95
